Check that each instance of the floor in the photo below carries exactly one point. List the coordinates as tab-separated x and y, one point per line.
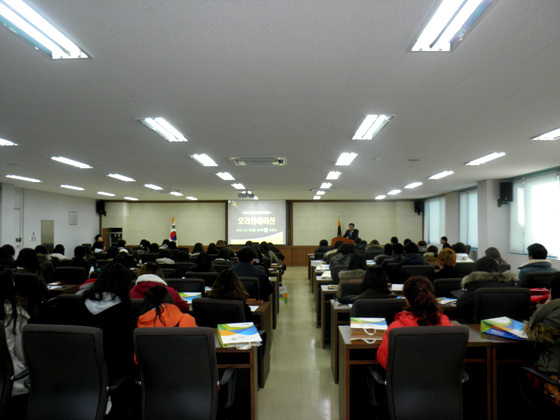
300	384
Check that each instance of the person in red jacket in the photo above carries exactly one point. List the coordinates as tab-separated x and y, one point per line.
422	310
150	275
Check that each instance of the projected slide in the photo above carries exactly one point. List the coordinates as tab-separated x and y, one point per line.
257	221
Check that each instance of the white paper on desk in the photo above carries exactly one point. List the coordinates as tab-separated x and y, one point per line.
447	301
397	287
253	307
55	287
326	275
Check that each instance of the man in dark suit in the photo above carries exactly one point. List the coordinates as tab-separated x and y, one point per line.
352	233
245	268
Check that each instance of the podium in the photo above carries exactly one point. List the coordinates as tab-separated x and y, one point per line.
343	240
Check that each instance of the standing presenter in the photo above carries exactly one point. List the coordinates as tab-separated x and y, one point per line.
352	233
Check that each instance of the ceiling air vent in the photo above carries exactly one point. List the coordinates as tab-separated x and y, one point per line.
263	162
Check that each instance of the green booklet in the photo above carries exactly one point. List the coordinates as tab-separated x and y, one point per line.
239	334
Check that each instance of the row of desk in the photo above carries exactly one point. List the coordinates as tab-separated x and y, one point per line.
349	359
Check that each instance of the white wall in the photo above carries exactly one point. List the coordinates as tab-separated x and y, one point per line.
376	220
195	222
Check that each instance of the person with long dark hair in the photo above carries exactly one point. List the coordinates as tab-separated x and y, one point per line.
203	263
422	309
15	318
27	262
374	286
228	286
160	311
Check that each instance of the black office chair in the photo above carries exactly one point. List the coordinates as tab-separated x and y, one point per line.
67	372
348	287
179	373
183	267
136	305
252	286
377	308
63	309
6	371
464	268
492	302
370	255
504	267
537	280
103	263
149	256
393	270
318	255
424	373
187	285
538	404
29	292
169	273
444	287
221	265
70	275
408	271
335	272
211	312
208	277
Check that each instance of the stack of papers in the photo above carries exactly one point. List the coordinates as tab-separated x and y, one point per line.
239	334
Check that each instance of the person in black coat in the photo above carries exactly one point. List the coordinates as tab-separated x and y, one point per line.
245	268
352	233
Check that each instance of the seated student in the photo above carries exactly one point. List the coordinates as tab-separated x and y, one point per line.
228	286
277	252
267	252
7	253
27	262
374	286
387	253
245	268
221	245
144	246
394	273
412	255
537	263
165	257
154	248
203	263
165	244
343	256
121	245
15	318
544	328
79	260
212	249
160	311
150	275
373	245
394	240
58	254
485	274
431	255
443	241
323	246
356	270
98	244
446	260
197	249
422	246
422	310
47	267
461	251
495	254
333	251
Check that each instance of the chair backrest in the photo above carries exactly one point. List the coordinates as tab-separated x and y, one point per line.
178	371
370	255
335	272
252	286
464	268
220	265
504	267
70	275
424	370
169	273
318	255
136	305
208	277
6	371
348	287
408	271
149	256
183	267
29	291
211	312
187	285
539	279
67	372
66	309
492	302
103	263
444	287
377	308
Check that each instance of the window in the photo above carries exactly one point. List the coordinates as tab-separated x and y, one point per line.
535	214
434	219
468	218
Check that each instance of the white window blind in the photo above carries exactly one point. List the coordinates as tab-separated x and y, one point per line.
468	218
434	219
535	214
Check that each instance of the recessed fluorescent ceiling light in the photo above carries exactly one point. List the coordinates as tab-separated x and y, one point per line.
176	193
441	175
71	162
317	197
191	198
72	187
326	185
413	185
394	192
226	176
121	177
371	125
23	178
31	26
4	142
320	193
255	198
164	129
484	159
449	24
153	187
551	135
105	193
380	197
346	159
238	186
131	198
204	160
334	175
